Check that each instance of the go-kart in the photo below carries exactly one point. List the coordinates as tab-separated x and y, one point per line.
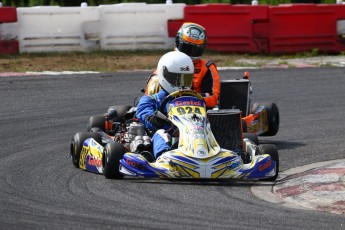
261	119
210	145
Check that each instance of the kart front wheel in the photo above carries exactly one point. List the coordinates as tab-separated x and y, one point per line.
273	152
77	145
113	153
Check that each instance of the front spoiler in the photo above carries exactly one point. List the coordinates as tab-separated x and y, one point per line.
226	165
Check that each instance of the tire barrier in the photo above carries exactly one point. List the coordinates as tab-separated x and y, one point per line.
269	29
229	27
304	27
7	15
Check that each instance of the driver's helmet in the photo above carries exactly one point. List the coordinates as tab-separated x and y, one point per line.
175	71
191	39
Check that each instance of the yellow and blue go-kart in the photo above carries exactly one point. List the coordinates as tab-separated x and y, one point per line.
210	145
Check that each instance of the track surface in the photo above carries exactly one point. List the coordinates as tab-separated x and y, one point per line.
40	188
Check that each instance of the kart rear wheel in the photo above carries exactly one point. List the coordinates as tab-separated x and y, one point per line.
273	152
117	112
77	145
97	121
113	153
272	117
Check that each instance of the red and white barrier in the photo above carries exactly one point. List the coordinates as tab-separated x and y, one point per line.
269	29
120	26
130	26
7	45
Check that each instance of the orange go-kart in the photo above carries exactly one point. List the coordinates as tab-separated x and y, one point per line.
261	119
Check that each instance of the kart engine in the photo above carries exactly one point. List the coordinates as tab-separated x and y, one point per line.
134	137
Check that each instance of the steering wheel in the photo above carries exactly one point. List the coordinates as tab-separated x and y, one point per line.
177	94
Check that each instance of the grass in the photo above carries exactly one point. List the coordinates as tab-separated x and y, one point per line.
113	61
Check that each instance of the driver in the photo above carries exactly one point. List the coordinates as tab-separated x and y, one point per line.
191	39
175	72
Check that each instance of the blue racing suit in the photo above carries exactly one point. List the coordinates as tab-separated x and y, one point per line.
146	108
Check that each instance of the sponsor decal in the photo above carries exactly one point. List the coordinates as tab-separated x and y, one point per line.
134	164
191	102
233	164
265	166
95	162
131	163
82	160
185	68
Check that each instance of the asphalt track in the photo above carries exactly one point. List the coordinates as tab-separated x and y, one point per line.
41	189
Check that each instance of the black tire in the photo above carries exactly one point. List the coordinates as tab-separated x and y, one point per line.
113	153
252	136
272	117
116	113
77	145
273	152
97	121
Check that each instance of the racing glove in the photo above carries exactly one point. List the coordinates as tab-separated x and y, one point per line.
156	121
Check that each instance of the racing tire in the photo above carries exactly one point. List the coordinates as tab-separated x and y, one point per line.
252	136
97	121
113	153
77	145
272	117
116	113
273	152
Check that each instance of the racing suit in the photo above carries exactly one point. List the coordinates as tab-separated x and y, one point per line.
146	109
206	81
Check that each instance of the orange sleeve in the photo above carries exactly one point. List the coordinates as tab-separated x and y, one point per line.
212	100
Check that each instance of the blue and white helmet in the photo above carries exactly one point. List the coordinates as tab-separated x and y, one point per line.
175	71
